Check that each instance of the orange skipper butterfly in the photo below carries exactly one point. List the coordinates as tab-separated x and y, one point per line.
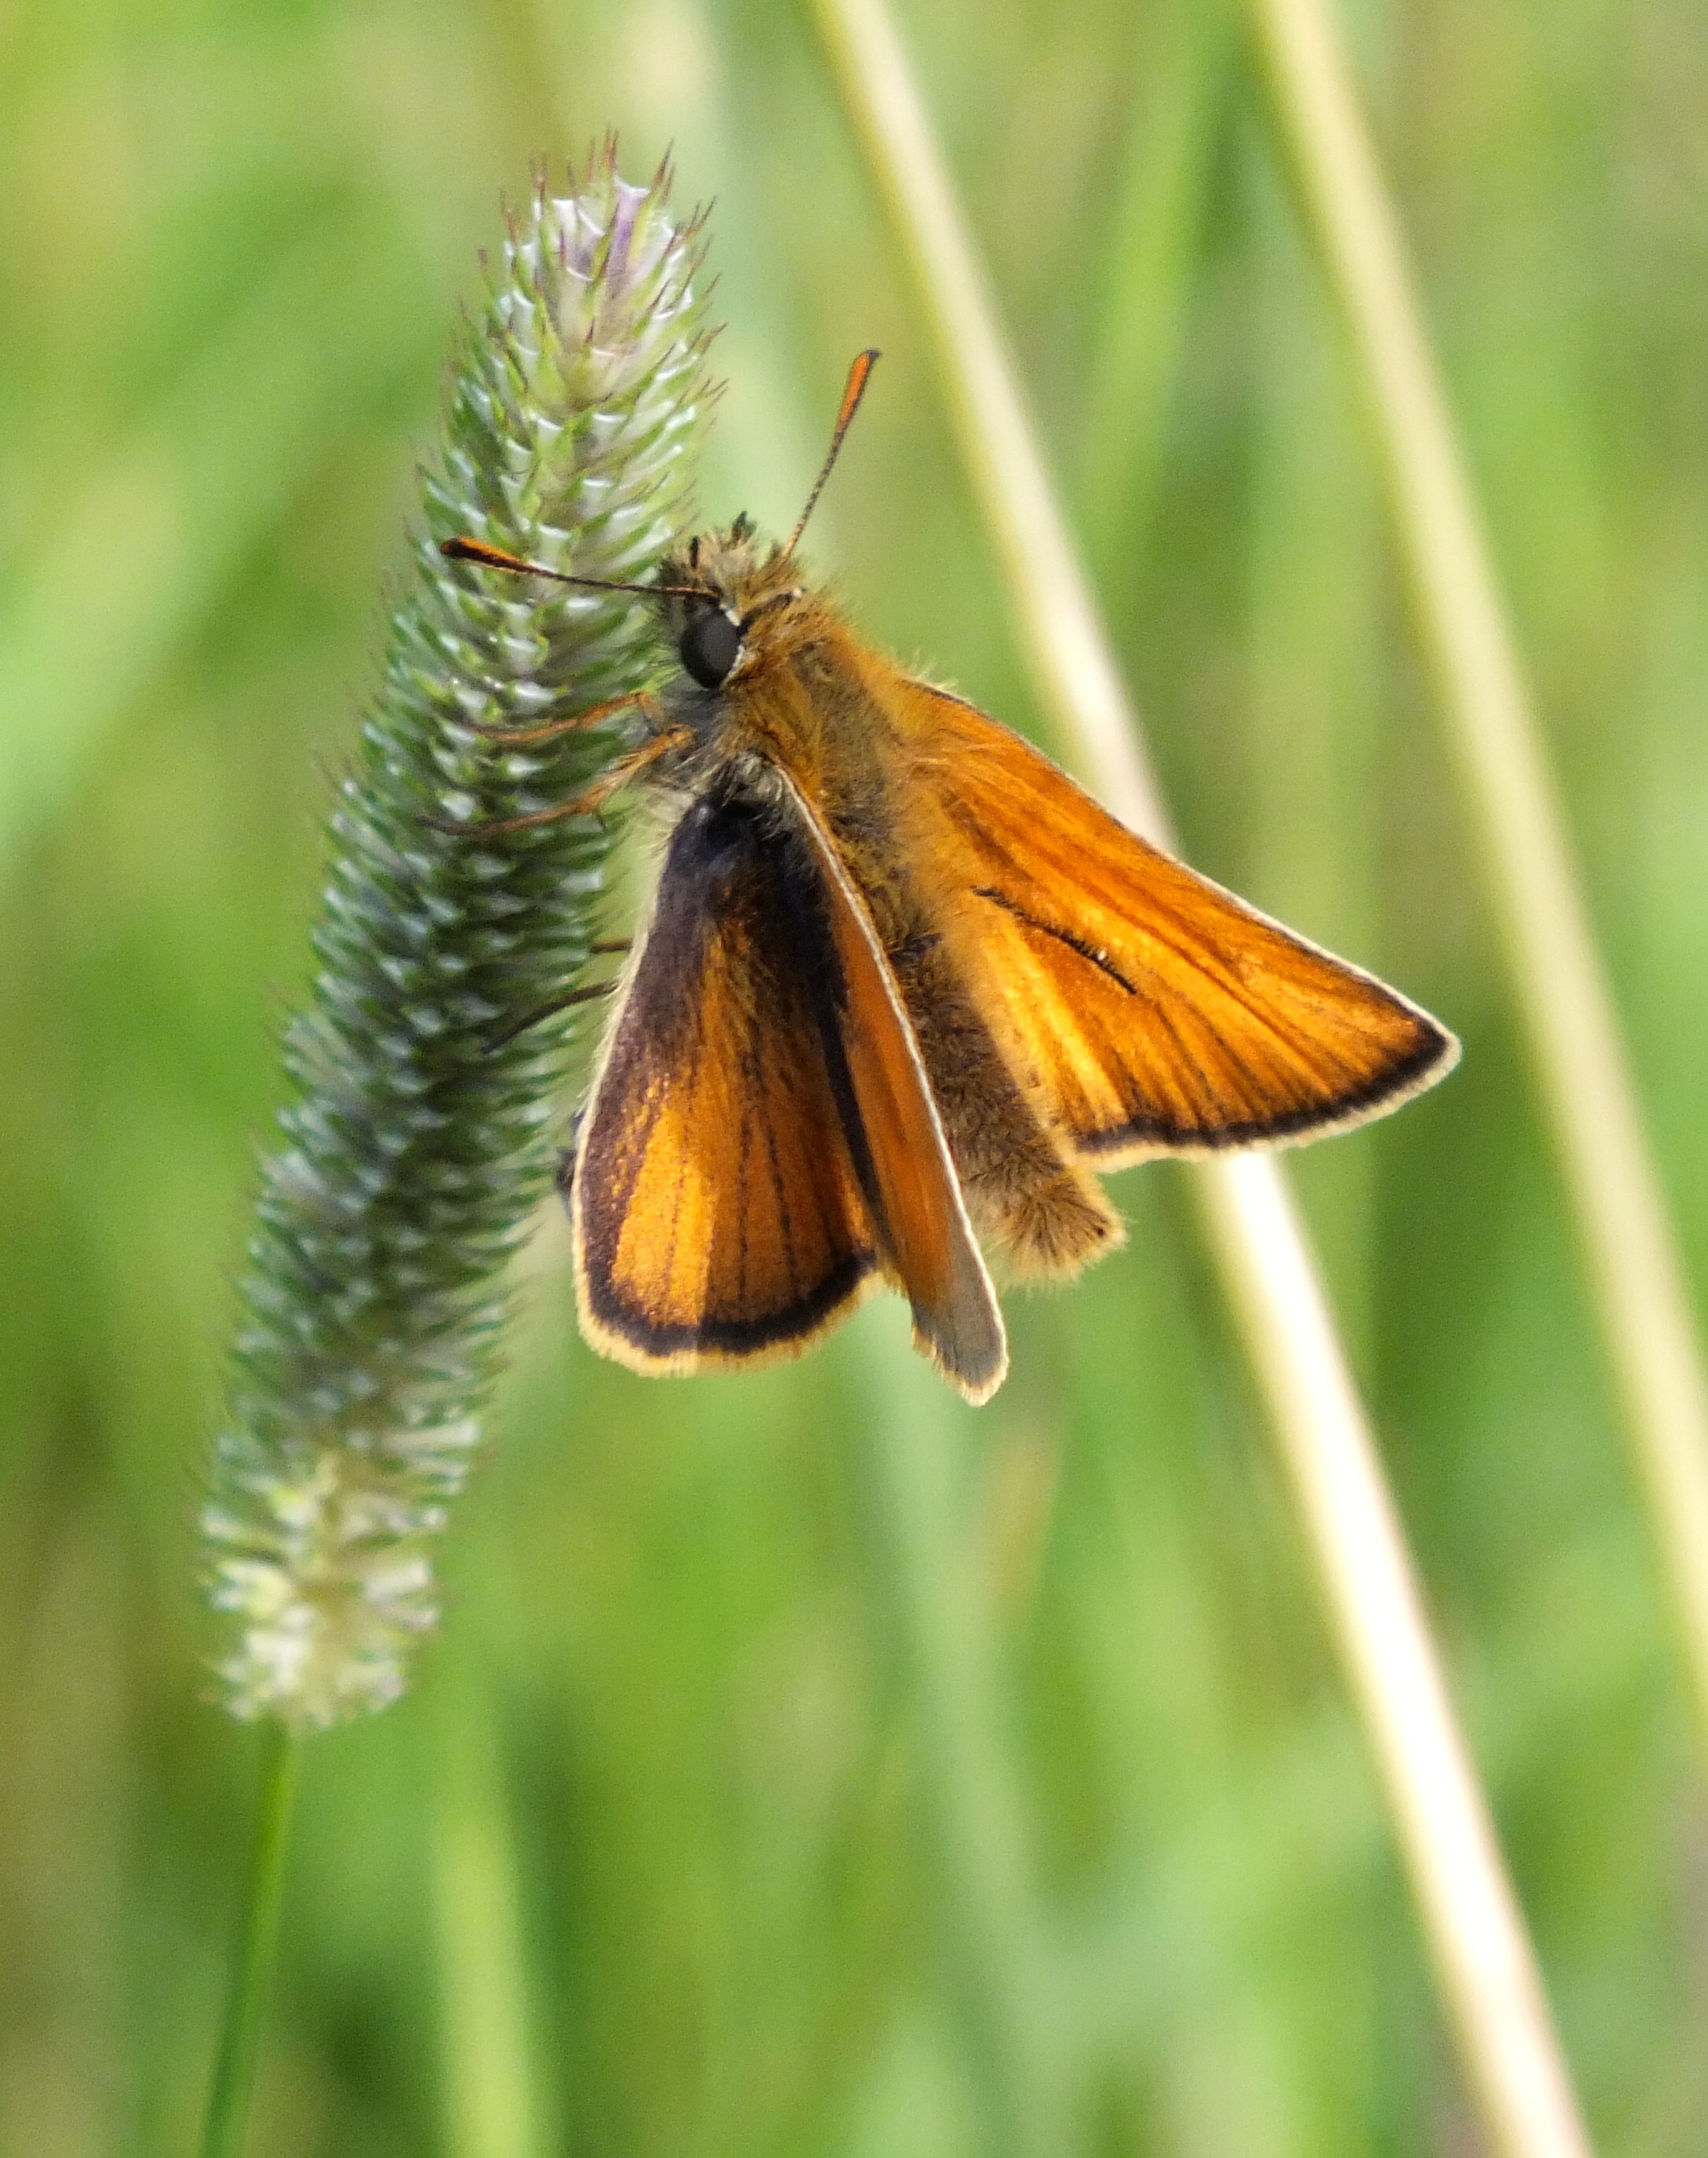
906	986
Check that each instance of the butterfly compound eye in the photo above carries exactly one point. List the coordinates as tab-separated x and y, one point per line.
708	647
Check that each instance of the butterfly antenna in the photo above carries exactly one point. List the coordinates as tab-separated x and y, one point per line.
858	375
495	558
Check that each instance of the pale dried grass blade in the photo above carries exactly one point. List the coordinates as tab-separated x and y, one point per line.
1483	1959
1635	1273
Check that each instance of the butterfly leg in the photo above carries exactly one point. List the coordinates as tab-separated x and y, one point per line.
572	723
502	1036
586	994
584	804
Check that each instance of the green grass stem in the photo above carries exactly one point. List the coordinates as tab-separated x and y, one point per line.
252	1962
1483	1959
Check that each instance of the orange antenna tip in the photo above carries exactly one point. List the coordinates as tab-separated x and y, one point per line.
495	558
858	377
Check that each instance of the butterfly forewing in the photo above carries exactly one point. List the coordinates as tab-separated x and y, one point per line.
719	1209
915	1195
1151	1011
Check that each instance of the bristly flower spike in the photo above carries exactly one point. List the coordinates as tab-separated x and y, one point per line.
419	1136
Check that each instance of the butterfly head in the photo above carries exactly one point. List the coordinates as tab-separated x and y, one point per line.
728	606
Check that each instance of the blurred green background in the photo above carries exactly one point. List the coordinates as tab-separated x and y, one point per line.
665	1807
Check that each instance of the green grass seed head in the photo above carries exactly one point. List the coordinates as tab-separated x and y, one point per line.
416	1151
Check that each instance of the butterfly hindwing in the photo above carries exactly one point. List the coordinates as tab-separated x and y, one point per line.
1151	1011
